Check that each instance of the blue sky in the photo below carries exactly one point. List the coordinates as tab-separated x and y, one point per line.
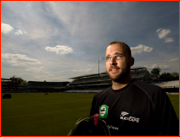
54	41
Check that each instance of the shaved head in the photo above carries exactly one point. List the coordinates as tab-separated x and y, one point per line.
126	48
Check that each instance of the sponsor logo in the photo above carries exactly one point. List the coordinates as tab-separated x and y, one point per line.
124	116
112	127
103	111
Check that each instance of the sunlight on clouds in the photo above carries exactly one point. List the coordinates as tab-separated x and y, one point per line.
18	59
160	66
173	60
60	49
163	32
81	70
169	40
139	49
154	66
80	20
19	32
6	28
75	34
37	69
164	66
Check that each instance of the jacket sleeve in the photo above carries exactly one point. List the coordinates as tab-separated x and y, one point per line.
167	123
93	109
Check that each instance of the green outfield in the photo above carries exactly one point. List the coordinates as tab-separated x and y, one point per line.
36	114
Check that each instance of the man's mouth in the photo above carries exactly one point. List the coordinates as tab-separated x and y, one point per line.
114	70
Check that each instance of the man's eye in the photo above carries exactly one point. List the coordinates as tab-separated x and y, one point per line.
107	58
119	56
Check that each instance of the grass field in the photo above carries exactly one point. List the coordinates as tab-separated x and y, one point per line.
36	114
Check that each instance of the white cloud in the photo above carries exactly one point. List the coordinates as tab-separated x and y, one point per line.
81	70
169	40
154	66
81	21
139	49
6	28
164	66
163	32
20	32
18	59
60	49
160	66
37	69
173	60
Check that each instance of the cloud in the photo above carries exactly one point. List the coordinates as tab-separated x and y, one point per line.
60	49
37	69
139	49
160	66
162	32
81	70
169	40
83	22
18	59
164	66
173	60
19	32
6	28
154	66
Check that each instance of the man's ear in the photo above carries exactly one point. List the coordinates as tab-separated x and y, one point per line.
131	61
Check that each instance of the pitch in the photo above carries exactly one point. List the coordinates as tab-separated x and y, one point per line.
36	114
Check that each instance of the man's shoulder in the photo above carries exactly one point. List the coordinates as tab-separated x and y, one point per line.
102	92
152	92
144	84
147	87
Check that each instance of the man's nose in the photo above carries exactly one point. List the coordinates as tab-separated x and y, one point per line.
112	60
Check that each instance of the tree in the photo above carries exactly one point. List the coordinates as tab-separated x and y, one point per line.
175	75
166	77
148	72
19	80
156	71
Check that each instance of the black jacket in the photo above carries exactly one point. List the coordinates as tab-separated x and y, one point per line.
137	109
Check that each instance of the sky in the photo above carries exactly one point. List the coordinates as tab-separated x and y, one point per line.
58	40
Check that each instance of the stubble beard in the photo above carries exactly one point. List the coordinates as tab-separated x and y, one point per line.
121	76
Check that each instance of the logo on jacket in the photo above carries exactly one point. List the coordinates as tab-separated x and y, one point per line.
103	111
124	116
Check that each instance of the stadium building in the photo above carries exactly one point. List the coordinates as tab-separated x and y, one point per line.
97	82
85	84
11	85
39	86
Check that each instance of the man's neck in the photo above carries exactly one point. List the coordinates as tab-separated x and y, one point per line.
121	84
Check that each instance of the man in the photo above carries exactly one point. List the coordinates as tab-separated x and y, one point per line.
132	107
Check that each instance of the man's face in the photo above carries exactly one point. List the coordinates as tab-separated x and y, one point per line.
119	68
